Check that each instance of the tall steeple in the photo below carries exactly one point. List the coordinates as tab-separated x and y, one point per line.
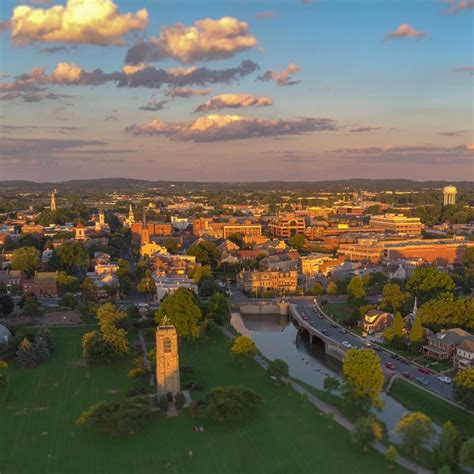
415	307
52	205
131	216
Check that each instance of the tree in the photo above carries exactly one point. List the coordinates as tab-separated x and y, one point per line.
415	429
217	309
25	356
45	334
67	283
298	242
429	282
41	351
3	376
466	455
394	333
147	285
7	305
363	376
317	289
278	369
355	290
207	287
231	402
122	417
463	387
391	455
115	337
417	336
182	312
393	299
70	257
68	300
26	259
32	308
331	289
89	290
205	253
243	349
331	384
367	429
200	272
95	349
447	450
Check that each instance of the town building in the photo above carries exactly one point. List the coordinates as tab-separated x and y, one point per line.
397	223
285	226
167	360
167	285
42	284
309	264
443	345
375	321
464	356
258	282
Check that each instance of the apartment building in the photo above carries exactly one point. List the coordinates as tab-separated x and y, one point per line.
258	282
397	223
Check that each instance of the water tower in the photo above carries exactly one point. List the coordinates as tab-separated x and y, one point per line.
449	195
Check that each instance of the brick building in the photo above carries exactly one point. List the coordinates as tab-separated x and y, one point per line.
42	284
260	282
286	225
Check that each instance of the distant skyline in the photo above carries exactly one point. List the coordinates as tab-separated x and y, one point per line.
236	90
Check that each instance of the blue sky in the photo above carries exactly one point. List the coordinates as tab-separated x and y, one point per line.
362	105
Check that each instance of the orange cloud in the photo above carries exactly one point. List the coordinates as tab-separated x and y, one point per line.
405	31
207	40
282	78
459	6
88	22
234	101
217	127
186	92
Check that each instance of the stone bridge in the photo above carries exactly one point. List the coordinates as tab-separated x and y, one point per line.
332	347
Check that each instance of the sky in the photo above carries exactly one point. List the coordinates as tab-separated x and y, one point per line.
246	90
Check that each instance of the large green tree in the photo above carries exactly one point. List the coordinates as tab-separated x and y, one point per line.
393	299
243	349
429	282
355	290
181	310
463	387
449	445
367	429
363	376
394	333
416	336
70	257
415	429
26	259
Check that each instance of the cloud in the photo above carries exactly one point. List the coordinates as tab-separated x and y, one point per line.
282	78
265	15
216	127
233	101
408	153
466	69
31	96
458	6
186	92
154	105
56	49
364	129
68	74
405	31
97	22
207	40
454	133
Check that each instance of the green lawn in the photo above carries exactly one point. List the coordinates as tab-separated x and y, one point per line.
438	410
340	312
286	435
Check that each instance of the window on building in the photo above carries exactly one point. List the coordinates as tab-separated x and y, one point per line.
167	344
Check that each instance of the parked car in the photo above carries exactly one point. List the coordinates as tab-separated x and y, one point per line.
320	316
424	370
444	379
422	380
407	375
390	366
333	325
395	356
377	348
305	317
324	331
347	344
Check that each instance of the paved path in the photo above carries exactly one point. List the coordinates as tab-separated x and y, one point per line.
337	416
146	362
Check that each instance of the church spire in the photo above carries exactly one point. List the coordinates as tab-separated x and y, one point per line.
52	205
415	307
131	217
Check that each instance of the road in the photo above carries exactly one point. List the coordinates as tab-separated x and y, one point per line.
320	321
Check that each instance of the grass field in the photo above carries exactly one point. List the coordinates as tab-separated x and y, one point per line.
286	435
438	410
340	312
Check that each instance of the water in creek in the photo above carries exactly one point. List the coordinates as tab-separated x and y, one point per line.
276	338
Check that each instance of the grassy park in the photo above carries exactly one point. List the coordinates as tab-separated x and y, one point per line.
287	434
340	312
438	410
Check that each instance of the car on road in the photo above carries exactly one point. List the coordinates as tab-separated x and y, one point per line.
422	380
444	379
395	356
342	330
324	331
390	366
313	324
346	344
407	375
404	361
333	325
377	348
320	316
424	370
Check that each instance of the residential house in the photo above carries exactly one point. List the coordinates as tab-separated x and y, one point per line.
375	321
443	345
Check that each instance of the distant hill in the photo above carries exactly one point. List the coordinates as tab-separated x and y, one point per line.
125	184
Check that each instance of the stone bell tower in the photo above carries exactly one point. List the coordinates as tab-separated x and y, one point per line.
167	360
